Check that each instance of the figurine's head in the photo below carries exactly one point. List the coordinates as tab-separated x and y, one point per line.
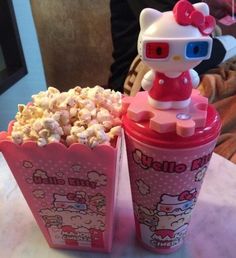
177	40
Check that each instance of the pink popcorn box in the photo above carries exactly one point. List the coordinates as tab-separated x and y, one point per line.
70	190
166	168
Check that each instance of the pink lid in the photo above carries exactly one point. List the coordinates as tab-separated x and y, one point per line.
141	131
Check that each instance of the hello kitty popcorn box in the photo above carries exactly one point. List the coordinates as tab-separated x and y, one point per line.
170	129
70	190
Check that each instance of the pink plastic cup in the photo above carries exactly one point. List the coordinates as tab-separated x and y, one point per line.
70	190
166	173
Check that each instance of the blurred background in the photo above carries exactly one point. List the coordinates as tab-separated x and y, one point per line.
75	41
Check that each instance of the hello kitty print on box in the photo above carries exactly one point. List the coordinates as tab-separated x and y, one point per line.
70	190
171	44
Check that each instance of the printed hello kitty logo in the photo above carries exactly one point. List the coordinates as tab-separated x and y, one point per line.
177	204
146	162
41	177
172	53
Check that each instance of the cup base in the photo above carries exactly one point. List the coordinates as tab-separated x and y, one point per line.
159	250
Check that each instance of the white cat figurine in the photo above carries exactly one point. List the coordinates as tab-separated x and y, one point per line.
171	44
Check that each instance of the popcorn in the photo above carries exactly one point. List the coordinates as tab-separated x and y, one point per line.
83	137
70	139
115	131
41	142
84	114
75	130
103	115
54	138
88	116
37	125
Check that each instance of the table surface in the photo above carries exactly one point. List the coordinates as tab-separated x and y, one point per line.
212	231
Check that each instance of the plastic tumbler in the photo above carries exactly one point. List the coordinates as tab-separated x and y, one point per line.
166	169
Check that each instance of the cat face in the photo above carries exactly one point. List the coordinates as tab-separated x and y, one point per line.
166	46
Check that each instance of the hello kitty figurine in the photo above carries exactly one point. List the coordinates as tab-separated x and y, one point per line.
171	44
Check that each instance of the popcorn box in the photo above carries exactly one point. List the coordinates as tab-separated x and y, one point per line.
70	190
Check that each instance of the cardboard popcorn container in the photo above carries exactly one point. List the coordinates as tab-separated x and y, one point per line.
70	190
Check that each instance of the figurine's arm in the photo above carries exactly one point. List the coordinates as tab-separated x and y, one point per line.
194	77
147	80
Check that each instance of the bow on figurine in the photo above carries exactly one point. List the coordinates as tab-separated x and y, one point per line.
186	14
187	196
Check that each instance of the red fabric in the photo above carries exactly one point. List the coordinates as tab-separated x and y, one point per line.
173	89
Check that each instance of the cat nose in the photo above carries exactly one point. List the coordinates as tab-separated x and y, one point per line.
177	58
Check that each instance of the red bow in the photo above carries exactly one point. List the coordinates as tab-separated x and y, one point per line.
186	14
187	196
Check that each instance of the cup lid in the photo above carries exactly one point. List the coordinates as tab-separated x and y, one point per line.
201	136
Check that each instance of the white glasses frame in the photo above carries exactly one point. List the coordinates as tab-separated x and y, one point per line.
177	46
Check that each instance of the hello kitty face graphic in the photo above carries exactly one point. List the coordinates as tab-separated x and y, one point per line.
168	43
177	204
71	202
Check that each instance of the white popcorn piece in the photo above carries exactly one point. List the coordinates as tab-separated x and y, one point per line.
84	114
64	117
70	139
93	113
73	112
71	101
33	135
52	90
21	107
50	123
17	137
37	125
44	133
75	130
101	136
115	131
26	129
66	129
54	138
56	116
83	137
107	124
104	115
93	142
42	142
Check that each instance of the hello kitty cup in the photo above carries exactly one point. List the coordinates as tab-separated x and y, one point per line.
167	168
